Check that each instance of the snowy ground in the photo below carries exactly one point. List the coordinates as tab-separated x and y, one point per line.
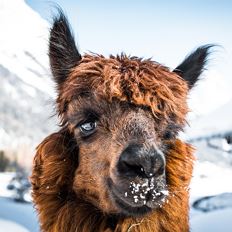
20	213
11	226
15	216
216	221
208	180
211	180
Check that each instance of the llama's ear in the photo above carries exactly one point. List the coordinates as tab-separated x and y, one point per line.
63	53
193	65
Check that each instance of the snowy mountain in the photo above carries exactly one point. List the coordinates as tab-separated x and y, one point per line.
25	84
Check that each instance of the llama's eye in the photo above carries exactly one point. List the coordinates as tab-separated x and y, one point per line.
88	128
168	135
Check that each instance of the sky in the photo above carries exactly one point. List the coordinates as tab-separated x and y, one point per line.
162	29
165	30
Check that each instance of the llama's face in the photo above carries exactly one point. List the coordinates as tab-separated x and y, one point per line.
121	155
122	112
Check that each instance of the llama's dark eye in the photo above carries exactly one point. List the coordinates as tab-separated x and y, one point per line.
168	135
87	128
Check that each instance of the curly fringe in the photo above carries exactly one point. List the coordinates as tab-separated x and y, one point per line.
131	79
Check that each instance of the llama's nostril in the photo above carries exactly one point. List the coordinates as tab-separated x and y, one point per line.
160	171
159	165
132	170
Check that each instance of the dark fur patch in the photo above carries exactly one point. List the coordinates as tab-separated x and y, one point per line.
63	52
194	64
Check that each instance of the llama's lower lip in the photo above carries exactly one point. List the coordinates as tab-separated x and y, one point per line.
131	210
127	208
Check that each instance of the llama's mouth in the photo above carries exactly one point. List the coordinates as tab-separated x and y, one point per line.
128	209
138	204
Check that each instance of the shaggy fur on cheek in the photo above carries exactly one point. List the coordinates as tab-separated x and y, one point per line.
90	180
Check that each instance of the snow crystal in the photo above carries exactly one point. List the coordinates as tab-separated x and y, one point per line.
165	192
145	184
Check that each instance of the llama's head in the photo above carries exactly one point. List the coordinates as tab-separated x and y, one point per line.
123	113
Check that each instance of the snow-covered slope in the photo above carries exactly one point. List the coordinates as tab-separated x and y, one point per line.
210	179
26	89
23	43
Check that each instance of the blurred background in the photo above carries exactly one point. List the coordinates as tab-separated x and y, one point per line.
164	30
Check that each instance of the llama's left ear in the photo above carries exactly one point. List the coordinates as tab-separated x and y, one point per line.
63	53
194	64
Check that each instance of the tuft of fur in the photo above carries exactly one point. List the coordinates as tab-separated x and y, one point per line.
130	79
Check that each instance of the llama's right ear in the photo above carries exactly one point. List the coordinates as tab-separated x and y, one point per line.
63	53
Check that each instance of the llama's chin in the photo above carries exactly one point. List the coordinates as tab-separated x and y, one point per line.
131	205
131	210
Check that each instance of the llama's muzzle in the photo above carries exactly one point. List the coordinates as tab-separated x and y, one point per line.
140	185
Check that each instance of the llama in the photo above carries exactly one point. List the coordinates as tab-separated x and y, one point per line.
116	164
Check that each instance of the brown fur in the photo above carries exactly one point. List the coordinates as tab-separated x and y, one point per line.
128	79
120	118
67	190
54	166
